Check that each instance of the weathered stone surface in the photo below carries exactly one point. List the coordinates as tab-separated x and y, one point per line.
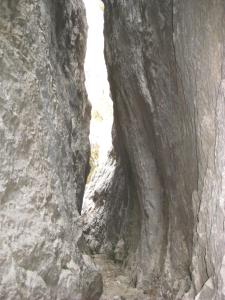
104	207
166	70
44	126
119	252
163	195
207	291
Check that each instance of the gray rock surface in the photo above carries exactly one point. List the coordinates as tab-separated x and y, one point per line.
44	149
119	251
103	214
166	70
162	194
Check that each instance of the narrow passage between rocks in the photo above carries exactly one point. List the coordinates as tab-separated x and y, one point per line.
116	283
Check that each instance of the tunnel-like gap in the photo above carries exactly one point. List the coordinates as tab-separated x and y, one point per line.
97	87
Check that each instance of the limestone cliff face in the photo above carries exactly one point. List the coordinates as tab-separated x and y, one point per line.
166	70
44	126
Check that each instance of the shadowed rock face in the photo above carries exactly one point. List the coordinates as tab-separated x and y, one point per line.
44	126
111	214
165	64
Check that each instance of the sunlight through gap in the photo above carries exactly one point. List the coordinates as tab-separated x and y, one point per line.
97	88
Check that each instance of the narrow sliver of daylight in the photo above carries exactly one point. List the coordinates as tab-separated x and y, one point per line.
97	87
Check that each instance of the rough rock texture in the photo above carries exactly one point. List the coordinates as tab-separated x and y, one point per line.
162	205
116	281
165	63
103	216
44	126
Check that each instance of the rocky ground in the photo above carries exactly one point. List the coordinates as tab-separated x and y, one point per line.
116	282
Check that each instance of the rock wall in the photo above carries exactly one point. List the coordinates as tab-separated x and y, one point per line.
111	216
164	203
44	127
165	63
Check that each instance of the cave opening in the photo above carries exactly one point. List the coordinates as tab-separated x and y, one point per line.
98	91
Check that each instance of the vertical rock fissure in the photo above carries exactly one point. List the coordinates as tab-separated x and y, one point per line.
156	225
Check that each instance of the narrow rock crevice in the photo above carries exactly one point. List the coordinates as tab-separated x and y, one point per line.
155	226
